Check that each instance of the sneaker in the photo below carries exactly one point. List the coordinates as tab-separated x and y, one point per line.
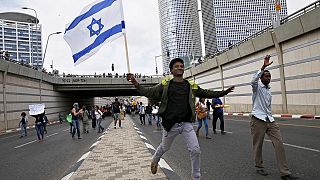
115	127
262	172
289	176
79	138
154	167
208	137
223	133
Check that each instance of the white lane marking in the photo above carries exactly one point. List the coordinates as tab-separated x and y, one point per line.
229	132
52	135
25	144
68	176
300	147
149	146
84	156
136	128
34	141
139	132
94	144
66	129
163	164
143	137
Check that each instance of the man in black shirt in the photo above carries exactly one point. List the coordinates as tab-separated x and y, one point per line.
177	110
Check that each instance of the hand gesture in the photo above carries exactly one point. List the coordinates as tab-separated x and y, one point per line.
266	61
229	90
131	79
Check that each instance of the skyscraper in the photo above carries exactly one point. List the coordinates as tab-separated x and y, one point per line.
21	37
237	19
180	31
209	30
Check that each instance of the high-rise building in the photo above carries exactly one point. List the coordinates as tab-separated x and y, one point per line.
209	30
20	36
180	31
236	20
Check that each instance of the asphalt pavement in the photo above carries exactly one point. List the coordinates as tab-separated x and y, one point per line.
224	157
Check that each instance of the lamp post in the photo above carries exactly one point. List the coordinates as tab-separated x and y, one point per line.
155	60
45	50
36	33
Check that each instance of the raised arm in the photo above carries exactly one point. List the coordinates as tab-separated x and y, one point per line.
257	75
154	92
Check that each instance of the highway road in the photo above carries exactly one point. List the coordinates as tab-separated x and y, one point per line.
53	158
230	156
224	157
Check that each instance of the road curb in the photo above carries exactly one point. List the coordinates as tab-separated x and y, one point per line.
293	116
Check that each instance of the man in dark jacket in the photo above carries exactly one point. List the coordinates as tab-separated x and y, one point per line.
177	110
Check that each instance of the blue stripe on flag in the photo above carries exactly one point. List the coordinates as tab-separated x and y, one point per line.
94	9
99	40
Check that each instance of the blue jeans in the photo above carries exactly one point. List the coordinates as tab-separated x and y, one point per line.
23	130
149	119
76	127
99	125
205	121
39	129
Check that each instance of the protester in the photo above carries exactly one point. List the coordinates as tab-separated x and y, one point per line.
75	112
217	107
98	115
177	110
93	118
23	124
149	113
263	123
85	119
142	114
116	113
45	122
202	116
39	126
208	104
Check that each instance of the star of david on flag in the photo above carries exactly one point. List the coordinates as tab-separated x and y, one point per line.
98	23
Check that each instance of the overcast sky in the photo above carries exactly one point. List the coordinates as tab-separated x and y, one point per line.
142	27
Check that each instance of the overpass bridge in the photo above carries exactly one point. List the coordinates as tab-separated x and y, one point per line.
293	46
90	86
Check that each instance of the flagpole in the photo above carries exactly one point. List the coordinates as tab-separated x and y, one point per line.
127	54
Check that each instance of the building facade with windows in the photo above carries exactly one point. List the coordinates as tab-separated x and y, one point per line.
180	31
236	20
20	36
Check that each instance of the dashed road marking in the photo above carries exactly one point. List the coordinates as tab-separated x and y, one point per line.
296	146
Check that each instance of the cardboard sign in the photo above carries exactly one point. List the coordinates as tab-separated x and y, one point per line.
35	109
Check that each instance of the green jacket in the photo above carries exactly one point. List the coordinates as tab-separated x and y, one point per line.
159	92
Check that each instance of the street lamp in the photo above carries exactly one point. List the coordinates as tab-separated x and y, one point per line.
36	33
155	60
44	55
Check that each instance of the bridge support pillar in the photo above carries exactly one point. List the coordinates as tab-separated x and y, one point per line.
282	74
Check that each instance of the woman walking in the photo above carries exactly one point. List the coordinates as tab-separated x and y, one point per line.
202	115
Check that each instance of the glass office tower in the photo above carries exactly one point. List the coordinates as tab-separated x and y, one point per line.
21	38
237	19
180	31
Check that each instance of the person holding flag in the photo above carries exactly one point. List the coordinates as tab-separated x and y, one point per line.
177	110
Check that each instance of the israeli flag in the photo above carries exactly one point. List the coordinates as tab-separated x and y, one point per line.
98	23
